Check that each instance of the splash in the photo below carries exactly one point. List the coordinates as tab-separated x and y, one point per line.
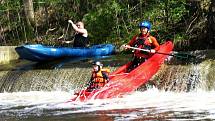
138	105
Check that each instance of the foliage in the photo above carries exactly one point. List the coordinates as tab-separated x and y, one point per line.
119	22
107	21
102	22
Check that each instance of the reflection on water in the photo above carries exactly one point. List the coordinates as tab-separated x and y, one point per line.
81	62
149	105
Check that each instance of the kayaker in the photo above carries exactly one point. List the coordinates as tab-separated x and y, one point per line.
81	34
99	76
143	40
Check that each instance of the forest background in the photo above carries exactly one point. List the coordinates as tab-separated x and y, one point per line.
189	23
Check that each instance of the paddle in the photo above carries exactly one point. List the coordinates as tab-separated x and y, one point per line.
176	54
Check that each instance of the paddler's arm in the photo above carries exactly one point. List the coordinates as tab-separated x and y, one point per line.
105	76
131	42
155	44
79	30
90	81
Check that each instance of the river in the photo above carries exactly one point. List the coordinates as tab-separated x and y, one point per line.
47	101
152	104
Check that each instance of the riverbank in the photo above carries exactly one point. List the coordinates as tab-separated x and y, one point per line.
7	54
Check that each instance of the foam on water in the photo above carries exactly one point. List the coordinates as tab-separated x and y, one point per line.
137	104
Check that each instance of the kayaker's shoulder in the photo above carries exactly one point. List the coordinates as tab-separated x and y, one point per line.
152	38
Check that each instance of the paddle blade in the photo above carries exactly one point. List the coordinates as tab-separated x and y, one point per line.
184	55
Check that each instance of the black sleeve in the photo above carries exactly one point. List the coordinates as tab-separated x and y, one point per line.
90	81
104	74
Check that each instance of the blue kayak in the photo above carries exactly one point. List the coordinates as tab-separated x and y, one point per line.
38	52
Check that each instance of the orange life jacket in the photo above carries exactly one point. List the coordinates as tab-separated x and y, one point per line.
98	78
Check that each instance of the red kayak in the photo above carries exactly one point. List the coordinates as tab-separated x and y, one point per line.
122	83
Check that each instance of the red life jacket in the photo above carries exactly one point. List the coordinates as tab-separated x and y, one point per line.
142	43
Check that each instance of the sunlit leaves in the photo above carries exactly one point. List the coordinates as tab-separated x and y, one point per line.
107	21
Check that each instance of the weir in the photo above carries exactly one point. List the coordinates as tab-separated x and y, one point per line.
188	75
73	76
46	80
49	76
185	78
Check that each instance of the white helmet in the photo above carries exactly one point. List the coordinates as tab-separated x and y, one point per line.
98	63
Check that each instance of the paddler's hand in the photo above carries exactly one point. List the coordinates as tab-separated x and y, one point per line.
126	46
70	21
152	51
122	48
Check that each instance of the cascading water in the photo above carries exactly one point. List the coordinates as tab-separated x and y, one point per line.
186	78
179	92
